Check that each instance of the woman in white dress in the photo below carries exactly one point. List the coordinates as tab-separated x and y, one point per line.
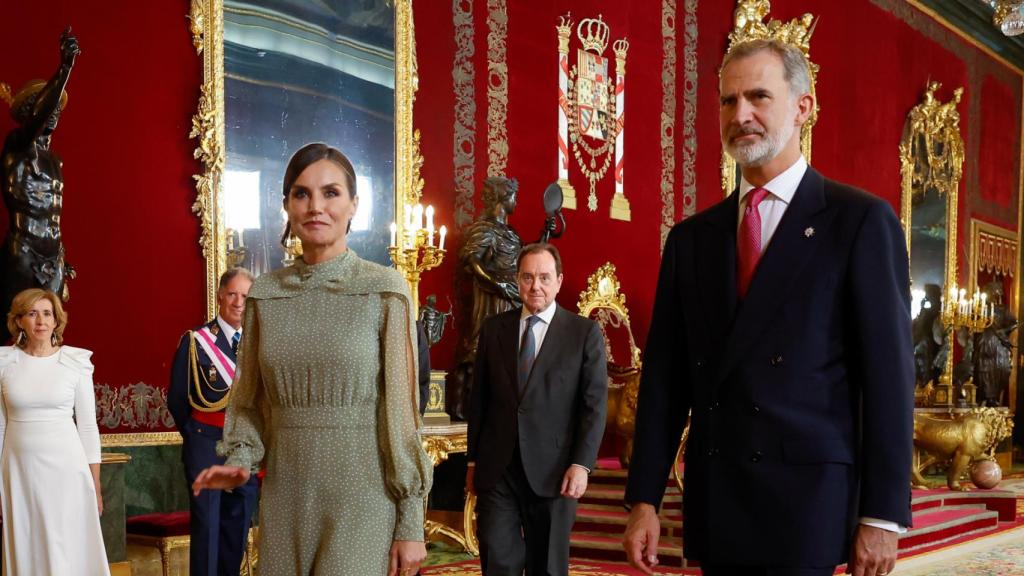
50	464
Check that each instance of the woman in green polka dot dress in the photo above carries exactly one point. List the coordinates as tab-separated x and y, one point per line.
325	397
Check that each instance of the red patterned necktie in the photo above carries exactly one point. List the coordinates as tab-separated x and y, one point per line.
748	241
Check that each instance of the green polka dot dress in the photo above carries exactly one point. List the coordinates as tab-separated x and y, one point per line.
325	398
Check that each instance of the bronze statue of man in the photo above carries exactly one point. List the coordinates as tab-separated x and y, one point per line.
488	257
433	320
32	185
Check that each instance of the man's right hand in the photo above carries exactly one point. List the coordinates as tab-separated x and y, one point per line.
219	477
469	479
641	539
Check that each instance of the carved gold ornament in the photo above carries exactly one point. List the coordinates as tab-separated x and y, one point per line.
440	442
932	158
749	25
959	441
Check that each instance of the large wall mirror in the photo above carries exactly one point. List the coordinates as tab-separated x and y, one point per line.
280	74
931	166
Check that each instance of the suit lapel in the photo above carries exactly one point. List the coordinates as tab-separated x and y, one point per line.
782	263
508	339
716	261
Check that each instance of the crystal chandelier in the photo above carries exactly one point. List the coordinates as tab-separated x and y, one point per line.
1008	16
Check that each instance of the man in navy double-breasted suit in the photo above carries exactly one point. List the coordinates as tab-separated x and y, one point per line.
201	378
781	325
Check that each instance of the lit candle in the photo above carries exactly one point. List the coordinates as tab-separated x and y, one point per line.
429	213
394	234
444	232
417	216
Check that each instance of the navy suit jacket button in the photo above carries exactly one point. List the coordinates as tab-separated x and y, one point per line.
755	409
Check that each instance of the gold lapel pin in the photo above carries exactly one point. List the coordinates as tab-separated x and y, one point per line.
809	231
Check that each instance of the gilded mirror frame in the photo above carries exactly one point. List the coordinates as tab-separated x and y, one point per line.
206	23
749	25
926	118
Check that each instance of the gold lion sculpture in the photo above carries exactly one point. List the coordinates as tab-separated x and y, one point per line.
959	442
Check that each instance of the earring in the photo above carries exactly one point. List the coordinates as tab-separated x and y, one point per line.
53	338
21	338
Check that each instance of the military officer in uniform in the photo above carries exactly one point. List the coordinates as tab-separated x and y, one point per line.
201	377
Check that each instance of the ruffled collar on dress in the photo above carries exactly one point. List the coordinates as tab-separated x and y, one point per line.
346	273
334	268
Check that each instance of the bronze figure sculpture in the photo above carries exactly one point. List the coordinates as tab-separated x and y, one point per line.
488	260
993	352
33	186
433	320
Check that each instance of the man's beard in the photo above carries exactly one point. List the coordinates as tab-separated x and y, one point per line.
761	151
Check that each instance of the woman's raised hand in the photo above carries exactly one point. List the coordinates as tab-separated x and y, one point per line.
219	477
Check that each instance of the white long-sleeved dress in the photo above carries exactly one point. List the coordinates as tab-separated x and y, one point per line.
51	524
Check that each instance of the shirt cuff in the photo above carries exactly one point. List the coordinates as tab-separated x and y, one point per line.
883	524
582	466
471	464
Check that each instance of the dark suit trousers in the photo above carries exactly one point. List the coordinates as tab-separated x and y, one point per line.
520	530
764	571
219	519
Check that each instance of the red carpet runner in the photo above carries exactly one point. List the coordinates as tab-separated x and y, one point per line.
942	518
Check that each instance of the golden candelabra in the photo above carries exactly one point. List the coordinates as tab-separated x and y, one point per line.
415	251
973	314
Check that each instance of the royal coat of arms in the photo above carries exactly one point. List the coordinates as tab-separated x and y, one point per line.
591	110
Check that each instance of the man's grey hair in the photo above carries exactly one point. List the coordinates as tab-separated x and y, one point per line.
230	274
794	64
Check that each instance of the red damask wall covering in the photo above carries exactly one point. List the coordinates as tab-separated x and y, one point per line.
876	57
127	224
486	104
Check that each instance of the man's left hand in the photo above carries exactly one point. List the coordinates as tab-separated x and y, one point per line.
873	552
574	483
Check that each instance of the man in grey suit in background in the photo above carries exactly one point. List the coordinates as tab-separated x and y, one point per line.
536	418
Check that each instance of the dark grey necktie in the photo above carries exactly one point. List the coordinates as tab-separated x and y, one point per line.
527	352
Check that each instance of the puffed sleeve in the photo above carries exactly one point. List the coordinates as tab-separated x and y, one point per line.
7	357
85	401
408	470
242	444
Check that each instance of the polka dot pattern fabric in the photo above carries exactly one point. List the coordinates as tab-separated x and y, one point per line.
326	399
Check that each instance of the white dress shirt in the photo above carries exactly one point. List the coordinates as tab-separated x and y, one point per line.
781	190
229	332
540	329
